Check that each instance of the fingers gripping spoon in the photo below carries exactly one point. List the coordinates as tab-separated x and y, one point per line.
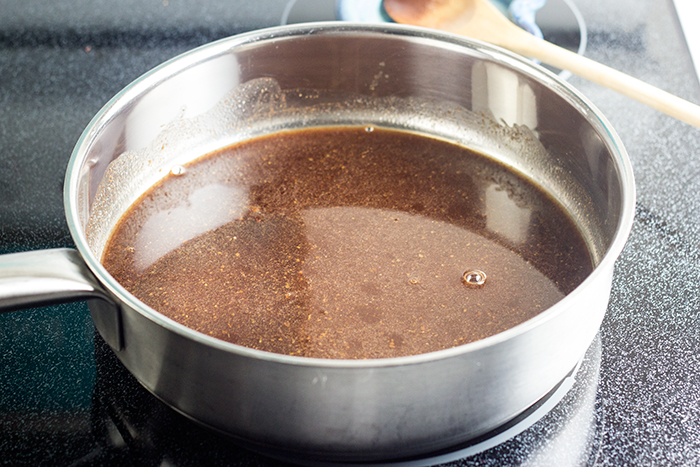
479	19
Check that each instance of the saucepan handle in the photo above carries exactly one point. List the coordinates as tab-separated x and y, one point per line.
48	277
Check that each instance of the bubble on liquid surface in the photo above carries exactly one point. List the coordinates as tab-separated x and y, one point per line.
474	278
177	170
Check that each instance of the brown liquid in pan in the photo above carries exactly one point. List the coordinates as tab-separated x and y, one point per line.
346	243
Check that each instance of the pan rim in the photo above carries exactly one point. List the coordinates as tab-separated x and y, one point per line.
192	57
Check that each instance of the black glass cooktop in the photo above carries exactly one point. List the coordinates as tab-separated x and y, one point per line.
65	400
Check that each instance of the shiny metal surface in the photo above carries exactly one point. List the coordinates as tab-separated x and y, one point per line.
48	276
36	278
332	409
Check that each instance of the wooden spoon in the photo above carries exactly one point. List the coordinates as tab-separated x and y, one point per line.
479	19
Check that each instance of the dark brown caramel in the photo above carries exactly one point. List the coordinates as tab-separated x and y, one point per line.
347	243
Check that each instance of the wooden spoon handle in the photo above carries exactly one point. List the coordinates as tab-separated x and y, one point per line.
530	46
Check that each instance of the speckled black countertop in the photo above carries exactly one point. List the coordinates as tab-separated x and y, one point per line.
64	400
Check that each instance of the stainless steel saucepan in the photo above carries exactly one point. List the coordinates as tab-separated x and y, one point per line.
339	74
